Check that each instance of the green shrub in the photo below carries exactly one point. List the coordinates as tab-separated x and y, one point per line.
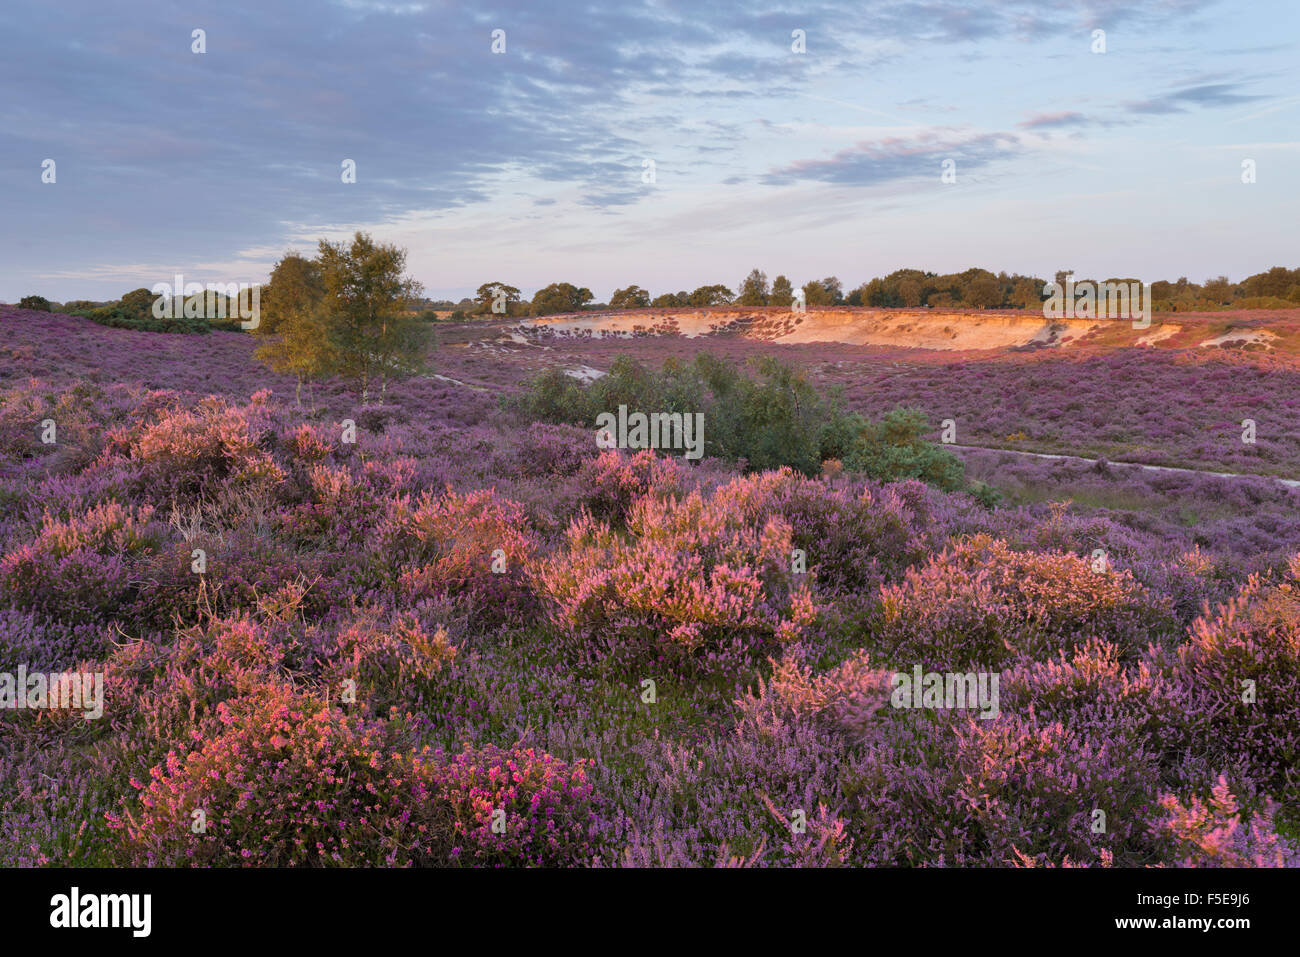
771	418
893	449
34	302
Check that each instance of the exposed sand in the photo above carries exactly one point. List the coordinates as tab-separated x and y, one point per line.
585	374
921	329
1260	336
1162	332
925	330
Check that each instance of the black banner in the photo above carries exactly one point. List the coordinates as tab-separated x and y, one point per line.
336	907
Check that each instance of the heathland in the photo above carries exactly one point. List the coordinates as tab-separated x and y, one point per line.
444	626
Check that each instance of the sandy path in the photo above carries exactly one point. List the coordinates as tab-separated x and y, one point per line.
1293	483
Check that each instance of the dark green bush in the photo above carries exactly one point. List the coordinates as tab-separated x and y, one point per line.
769	418
893	449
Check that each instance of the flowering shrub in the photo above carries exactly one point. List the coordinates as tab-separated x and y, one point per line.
1211	833
286	782
857	536
80	568
474	544
289	781
188	453
686	573
843	700
1240	669
942	788
615	480
979	603
543	809
390	663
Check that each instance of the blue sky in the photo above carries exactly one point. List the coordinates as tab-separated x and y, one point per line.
527	166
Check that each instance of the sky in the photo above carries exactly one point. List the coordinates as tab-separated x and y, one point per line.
667	144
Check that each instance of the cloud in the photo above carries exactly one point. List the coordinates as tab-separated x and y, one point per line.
1065	118
171	159
1206	95
871	163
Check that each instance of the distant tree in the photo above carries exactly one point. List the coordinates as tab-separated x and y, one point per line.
39	303
1275	282
753	289
138	304
1027	293
1162	290
560	297
492	292
632	297
823	292
909	293
366	303
1218	290
984	292
715	295
668	301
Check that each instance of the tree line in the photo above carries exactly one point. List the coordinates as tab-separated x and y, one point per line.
975	288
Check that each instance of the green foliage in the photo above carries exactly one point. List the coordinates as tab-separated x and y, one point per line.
553	396
293	307
753	289
973	288
768	416
560	297
893	449
715	295
824	292
632	297
986	495
295	286
34	302
671	300
493	292
370	331
135	311
782	292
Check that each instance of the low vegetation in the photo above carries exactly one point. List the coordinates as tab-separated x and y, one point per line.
771	418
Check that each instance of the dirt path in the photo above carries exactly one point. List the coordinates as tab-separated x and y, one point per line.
1292	483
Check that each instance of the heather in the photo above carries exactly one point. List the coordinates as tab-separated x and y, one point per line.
432	631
